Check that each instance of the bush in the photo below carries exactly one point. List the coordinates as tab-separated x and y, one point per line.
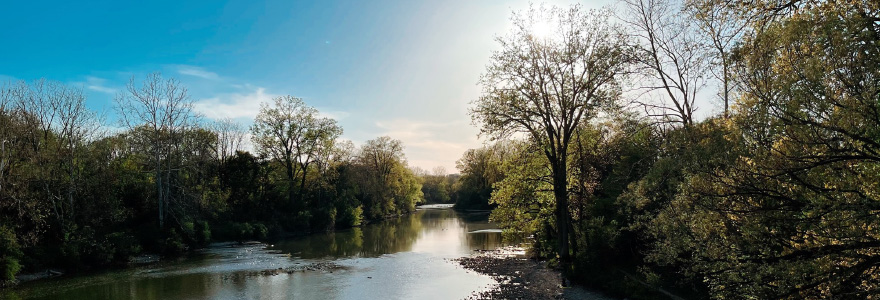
173	244
202	233
124	245
350	217
10	254
242	231
259	232
325	218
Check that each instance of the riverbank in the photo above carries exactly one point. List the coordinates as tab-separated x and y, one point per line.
402	258
519	277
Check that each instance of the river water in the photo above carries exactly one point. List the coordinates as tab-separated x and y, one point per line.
404	258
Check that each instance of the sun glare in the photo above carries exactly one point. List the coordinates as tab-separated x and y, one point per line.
542	29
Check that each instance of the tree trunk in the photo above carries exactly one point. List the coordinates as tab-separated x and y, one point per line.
291	181
159	196
560	191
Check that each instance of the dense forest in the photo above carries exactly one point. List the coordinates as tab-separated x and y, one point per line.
603	163
77	195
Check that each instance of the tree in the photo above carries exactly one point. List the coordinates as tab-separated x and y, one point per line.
798	191
388	186
480	169
724	28
230	136
294	134
671	57
435	186
545	86
161	110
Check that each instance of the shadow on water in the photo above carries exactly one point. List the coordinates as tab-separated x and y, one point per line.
399	258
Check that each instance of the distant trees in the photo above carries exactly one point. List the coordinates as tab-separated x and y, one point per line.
480	169
545	86
230	137
438	186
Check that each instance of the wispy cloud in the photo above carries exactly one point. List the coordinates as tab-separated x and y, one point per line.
99	85
333	114
246	105
236	105
197	72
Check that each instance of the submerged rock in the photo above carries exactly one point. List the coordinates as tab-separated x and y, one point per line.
311	267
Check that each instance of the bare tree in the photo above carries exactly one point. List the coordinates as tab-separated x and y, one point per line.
160	110
724	27
439	171
671	58
230	136
554	70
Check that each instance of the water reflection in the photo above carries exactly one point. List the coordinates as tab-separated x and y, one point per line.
396	259
392	236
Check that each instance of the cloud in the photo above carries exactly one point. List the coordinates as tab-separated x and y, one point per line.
197	72
99	85
247	105
333	114
235	105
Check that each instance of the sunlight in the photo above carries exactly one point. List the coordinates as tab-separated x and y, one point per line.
542	29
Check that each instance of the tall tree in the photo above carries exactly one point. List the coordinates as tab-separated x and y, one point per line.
161	111
554	71
294	134
388	186
723	28
230	136
671	57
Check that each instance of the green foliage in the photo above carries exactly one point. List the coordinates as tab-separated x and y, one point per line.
351	216
524	197
480	169
796	192
775	201
10	254
125	246
293	134
73	198
202	233
437	188
173	243
384	183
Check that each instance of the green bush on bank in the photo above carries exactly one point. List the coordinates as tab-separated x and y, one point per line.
10	254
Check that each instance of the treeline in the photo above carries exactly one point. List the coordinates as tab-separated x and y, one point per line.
76	195
601	162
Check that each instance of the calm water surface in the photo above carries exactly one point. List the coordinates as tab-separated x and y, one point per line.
405	258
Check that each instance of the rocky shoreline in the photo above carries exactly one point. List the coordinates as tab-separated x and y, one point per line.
519	277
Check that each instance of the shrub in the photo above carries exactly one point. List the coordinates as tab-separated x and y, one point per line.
10	253
202	233
124	246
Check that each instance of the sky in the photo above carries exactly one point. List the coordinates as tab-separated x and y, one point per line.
406	69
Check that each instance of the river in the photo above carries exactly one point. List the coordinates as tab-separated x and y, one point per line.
403	258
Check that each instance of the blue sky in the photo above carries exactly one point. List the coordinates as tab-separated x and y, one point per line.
407	69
